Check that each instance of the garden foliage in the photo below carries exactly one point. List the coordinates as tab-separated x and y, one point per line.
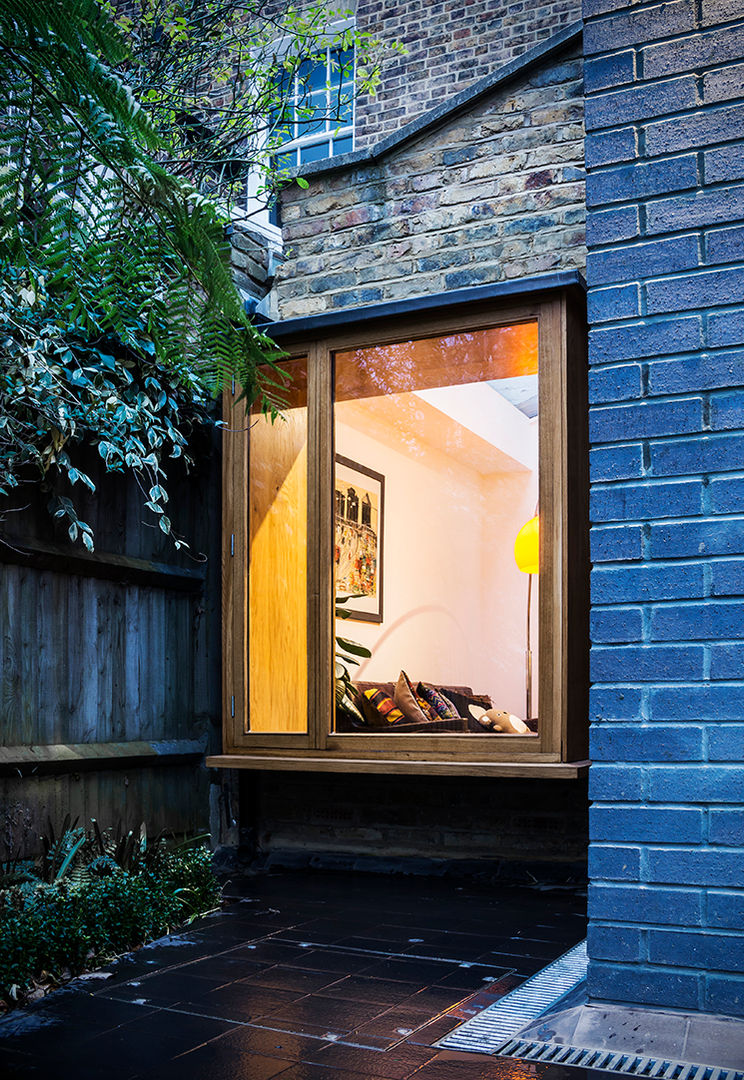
215	77
92	895
118	313
127	132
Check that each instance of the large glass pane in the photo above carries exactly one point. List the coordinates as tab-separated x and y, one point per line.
312	75
344	145
314	152
436	473
312	114
277	564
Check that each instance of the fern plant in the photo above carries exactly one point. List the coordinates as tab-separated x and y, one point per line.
60	852
118	313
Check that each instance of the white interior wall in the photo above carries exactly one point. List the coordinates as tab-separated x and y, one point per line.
509	501
454	600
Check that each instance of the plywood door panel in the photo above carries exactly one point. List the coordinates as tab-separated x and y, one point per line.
277	574
552	630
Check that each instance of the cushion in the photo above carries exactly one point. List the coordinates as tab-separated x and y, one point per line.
439	702
413	707
361	685
499	720
383	706
371	716
461	701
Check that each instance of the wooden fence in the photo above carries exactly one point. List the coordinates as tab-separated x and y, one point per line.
110	662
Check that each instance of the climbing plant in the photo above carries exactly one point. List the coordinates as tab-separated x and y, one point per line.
216	78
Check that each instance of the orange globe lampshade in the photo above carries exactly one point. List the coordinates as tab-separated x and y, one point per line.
527	547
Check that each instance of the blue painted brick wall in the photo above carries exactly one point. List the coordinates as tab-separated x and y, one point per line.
665	195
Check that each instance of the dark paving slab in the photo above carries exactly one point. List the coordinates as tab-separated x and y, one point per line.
306	976
394	1025
332	960
216	1061
284	1045
395	1066
379	991
341	1017
301	980
434	1030
142	1044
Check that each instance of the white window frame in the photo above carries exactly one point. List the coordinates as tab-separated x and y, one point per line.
331	132
255	213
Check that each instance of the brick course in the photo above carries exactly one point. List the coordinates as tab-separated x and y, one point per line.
494	194
471	820
666	275
249	256
450	44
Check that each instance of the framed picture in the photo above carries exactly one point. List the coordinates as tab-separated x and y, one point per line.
358	555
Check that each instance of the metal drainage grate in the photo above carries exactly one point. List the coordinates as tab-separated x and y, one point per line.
487	1032
612	1061
496	1030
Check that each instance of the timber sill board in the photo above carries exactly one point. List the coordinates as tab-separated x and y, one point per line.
72	757
569	770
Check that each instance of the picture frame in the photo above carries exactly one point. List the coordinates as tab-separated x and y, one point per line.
359	517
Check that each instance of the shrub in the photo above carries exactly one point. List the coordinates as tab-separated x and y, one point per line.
48	930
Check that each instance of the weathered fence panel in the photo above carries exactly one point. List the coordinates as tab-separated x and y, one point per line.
110	662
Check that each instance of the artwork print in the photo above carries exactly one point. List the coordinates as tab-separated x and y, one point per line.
359	501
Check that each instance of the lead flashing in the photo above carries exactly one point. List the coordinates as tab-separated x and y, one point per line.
312	325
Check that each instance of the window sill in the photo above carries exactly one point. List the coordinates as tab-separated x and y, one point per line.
555	770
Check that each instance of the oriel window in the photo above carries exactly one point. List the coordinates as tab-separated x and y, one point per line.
410	579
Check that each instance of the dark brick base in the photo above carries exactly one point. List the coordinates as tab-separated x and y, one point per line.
506	829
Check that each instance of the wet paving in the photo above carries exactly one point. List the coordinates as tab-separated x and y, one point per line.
306	976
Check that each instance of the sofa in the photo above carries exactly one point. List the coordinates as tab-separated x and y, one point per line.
460	696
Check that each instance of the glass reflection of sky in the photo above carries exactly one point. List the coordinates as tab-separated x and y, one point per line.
521	392
504	353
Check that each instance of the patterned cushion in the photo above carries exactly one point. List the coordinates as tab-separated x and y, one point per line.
414	708
462	701
384	706
439	702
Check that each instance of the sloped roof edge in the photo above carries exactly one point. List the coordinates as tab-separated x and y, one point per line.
450	108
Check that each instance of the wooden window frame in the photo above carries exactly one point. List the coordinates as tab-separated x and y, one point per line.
560	747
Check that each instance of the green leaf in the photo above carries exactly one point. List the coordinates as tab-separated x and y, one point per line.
70	856
353	647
